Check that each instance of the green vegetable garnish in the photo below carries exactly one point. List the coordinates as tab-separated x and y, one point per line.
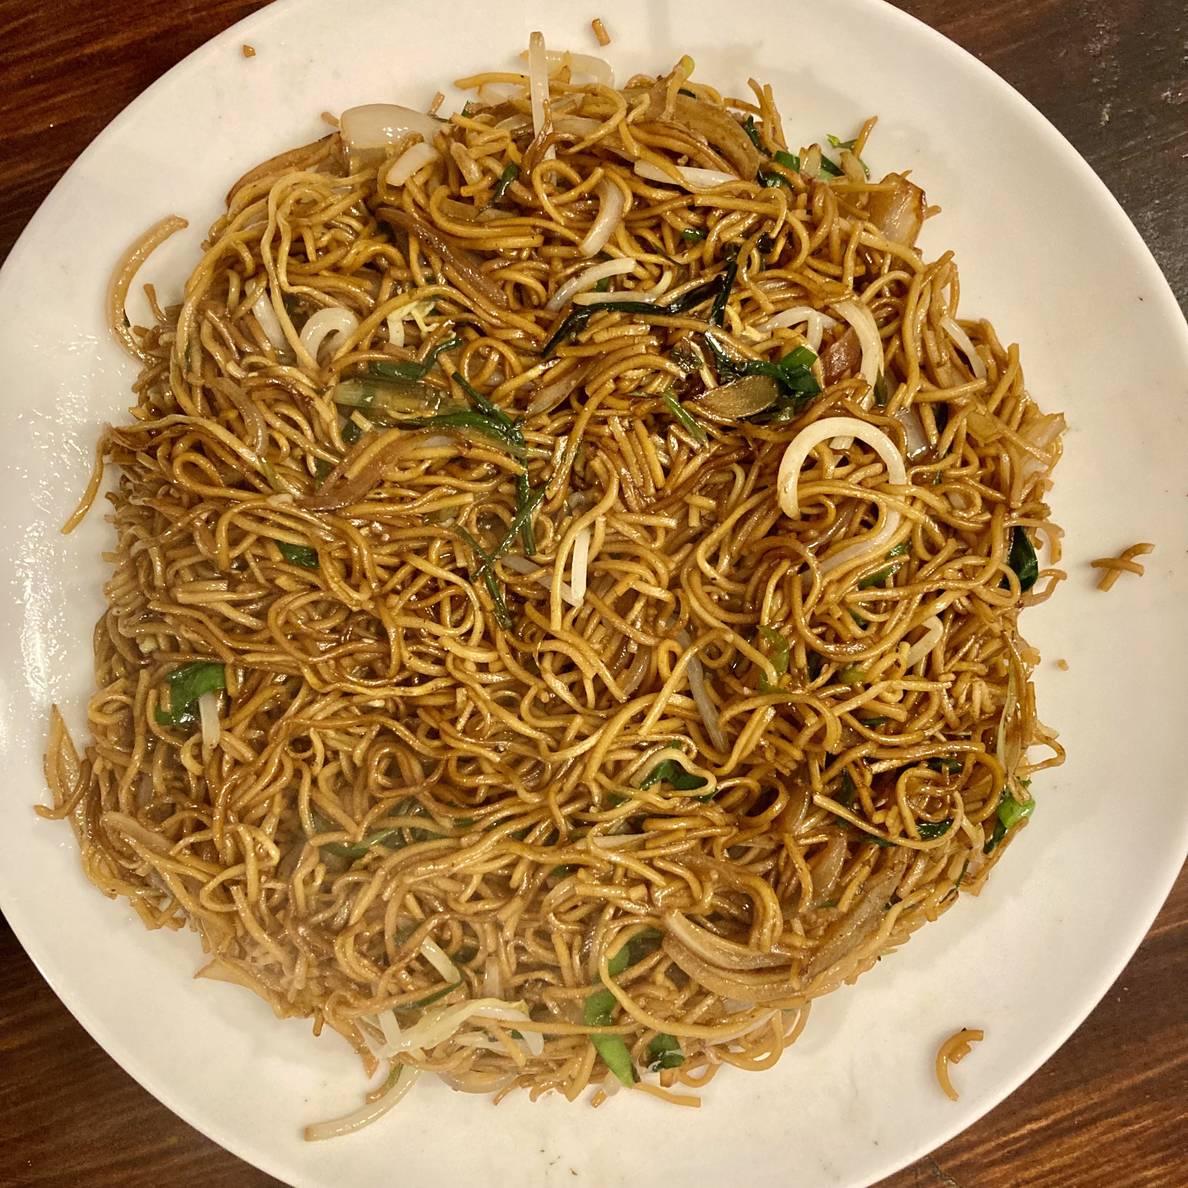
664	1052
1011	812
880	390
690	423
389	838
186	685
930	829
670	771
753	133
485	574
412	371
788	160
603	285
692	234
510	172
575	321
950	766
792	373
877	578
301	555
1022	560
599	1008
779	652
829	168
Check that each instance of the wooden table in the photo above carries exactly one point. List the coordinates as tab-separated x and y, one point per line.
1111	1107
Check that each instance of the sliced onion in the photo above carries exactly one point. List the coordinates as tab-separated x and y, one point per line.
415	157
264	314
531	569
389	1025
589	278
438	1025
367	1113
377	125
933	630
579	565
610	213
438	958
705	706
816	323
208	715
538	80
913	432
576	125
807	440
551	395
966	346
596	70
396	319
717	950
899	212
691	177
864	326
335	321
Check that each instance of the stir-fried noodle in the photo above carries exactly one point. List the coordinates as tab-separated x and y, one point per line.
564	614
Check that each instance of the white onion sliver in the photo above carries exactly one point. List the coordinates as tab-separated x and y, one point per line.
538	80
705	707
579	565
415	157
963	341
913	432
531	569
872	351
377	125
816	323
367	1113
588	279
934	629
438	1025
333	321
597	70
691	177
208	714
269	322
807	440
610	213
398	316
437	957
577	125
389	1025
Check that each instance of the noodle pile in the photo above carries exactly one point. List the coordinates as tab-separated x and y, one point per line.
563	617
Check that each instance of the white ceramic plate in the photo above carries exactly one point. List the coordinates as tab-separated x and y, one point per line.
1044	250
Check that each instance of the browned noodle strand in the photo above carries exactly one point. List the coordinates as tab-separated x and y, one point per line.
953	1051
664	795
1124	563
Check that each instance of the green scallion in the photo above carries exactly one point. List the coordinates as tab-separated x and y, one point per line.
186	685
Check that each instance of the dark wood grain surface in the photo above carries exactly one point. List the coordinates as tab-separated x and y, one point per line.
1111	1107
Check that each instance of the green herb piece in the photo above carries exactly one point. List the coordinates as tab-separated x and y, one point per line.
645	941
664	1052
670	771
718	309
562	872
841	144
485	575
186	685
575	321
603	285
873	723
524	513
753	133
877	578
1022	560
829	168
598	1011
1011	812
388	838
814	664
510	172
792	373
301	555
788	160
687	420
413	372
351	432
779	652
931	829
880	390
948	766
693	235
322	468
